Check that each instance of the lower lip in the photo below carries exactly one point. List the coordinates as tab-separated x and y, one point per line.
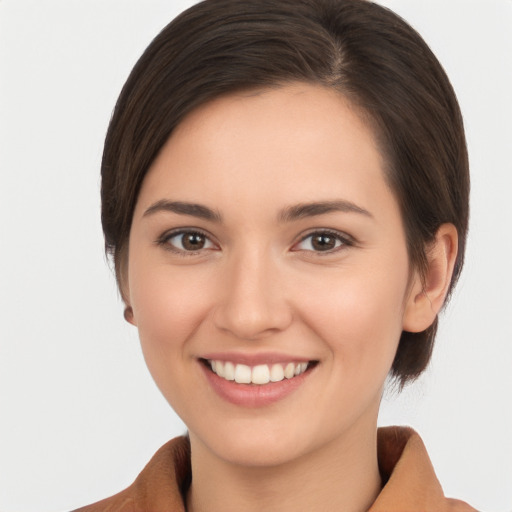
253	395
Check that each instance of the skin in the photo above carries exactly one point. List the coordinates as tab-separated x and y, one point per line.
258	285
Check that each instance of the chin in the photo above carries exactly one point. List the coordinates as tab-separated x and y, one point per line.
253	444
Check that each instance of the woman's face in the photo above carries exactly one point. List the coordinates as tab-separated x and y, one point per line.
266	236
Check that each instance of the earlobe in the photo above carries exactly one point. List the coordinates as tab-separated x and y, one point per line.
427	296
128	315
124	289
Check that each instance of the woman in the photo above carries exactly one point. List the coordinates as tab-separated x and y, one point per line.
285	197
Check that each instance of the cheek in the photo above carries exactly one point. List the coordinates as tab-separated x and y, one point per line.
359	316
169	304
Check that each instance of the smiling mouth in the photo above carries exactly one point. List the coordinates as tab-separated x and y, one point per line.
258	375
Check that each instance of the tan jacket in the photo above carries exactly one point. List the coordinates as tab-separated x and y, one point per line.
410	484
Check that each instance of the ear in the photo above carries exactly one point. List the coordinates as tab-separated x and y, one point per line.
427	295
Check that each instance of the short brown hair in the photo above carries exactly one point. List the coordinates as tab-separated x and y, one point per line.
363	50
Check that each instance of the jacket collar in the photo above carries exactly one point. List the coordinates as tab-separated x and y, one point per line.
409	480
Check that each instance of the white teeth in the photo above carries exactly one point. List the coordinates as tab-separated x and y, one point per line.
276	373
289	371
242	374
229	371
260	374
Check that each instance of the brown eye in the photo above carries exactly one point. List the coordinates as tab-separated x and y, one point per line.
188	241
193	241
323	241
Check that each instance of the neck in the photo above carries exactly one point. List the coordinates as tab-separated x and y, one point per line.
342	475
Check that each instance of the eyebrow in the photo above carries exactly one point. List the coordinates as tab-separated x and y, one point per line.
289	214
184	208
300	211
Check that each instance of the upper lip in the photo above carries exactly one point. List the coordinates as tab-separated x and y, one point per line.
255	359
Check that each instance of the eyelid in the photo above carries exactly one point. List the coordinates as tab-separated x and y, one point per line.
345	239
163	240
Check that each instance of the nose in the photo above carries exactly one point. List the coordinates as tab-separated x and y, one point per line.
253	302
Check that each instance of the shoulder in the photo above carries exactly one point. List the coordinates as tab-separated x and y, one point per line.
410	482
160	485
453	505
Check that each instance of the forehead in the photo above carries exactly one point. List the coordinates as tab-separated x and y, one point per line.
294	143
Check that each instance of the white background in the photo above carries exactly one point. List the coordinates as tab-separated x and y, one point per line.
79	413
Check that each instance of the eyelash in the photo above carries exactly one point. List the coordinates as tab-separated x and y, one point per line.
343	239
164	241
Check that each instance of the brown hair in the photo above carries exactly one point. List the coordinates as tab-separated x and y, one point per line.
363	50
